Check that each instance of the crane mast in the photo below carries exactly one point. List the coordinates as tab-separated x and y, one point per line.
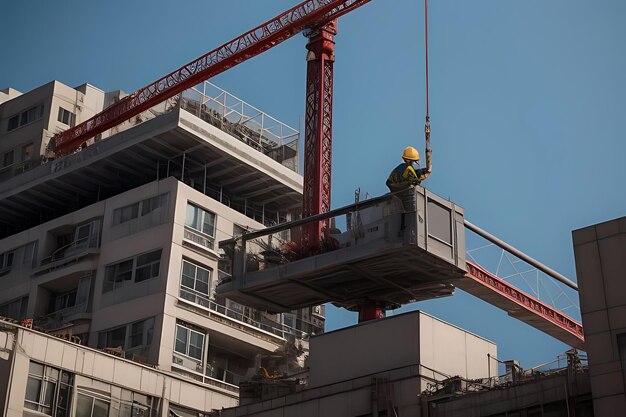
318	128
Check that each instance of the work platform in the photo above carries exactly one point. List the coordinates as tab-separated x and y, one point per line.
395	249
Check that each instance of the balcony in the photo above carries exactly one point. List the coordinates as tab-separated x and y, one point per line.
85	244
266	329
64	317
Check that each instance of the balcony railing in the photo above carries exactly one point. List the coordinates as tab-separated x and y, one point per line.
61	317
199	238
277	329
223	375
244	122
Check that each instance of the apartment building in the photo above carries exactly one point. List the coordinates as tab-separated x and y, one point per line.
115	246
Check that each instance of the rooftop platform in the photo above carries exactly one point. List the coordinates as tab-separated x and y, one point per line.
212	147
398	248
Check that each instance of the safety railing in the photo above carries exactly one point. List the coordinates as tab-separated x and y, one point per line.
243	121
523	272
284	243
277	329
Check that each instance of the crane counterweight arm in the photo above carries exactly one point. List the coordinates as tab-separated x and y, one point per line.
308	14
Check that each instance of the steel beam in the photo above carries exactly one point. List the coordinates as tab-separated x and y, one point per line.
522	306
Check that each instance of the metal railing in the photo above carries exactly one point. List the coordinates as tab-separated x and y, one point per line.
521	271
72	248
277	329
199	238
243	121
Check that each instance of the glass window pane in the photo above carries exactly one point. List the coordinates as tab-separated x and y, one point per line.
52	373
49	394
203	275
33	388
116	337
142	274
83	406
202	287
35	369
181	340
196	343
100	408
189	269
187	281
208	225
193	219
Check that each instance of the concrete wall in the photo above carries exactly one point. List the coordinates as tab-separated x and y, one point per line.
452	351
399	341
108	374
84	102
600	253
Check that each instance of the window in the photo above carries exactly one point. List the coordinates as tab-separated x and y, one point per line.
115	275
25	117
48	390
27	152
66	117
239	230
6	259
189	342
133	338
139	209
15	309
148	266
195	283
133	404
63	301
8	159
91	404
139	268
14	123
200	220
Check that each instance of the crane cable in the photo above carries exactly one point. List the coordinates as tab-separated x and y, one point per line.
429	151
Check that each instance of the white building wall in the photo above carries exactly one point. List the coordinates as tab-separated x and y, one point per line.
95	370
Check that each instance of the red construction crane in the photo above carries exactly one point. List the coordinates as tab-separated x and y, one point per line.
319	18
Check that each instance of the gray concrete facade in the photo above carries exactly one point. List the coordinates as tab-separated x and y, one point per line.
600	252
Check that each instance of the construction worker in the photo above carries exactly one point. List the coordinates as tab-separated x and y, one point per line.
404	175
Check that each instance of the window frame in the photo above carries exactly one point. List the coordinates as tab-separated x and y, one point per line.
50	403
93	397
115	284
5	157
147	334
138	209
194	290
204	212
187	342
25	117
25	155
66	114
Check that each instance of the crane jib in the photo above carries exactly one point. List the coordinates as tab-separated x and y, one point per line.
308	14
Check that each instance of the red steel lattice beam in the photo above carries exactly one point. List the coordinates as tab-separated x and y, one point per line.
318	128
522	306
308	14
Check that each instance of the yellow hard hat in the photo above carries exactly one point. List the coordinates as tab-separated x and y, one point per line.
411	154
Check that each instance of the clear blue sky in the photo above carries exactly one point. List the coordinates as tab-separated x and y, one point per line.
527	105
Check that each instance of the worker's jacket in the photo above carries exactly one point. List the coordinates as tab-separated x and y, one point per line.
404	175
